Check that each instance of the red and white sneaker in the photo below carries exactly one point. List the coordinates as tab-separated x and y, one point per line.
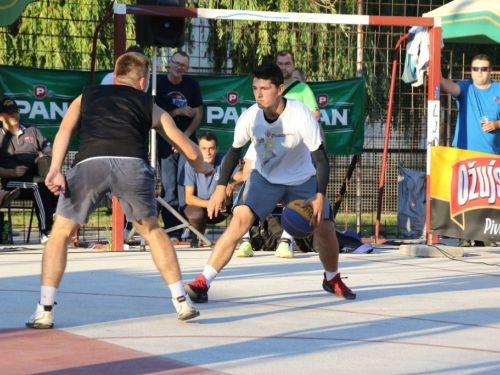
337	287
198	289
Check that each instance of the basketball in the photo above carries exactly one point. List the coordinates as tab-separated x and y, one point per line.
295	219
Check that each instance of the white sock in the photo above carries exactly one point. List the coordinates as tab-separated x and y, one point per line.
48	295
330	275
177	289
210	273
285	235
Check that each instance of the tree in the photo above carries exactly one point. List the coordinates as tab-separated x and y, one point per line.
58	34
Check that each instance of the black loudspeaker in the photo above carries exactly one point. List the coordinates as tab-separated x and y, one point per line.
160	31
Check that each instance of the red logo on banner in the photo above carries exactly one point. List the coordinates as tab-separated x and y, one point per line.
475	183
232	97
39	91
322	100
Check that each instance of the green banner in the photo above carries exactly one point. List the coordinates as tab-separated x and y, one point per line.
341	104
10	10
44	95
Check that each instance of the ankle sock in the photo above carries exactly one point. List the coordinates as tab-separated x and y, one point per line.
48	295
330	275
177	289
210	273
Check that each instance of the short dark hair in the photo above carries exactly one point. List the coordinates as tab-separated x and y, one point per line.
284	53
135	49
269	71
301	73
209	137
181	53
481	57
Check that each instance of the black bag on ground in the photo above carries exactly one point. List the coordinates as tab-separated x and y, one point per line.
348	242
266	235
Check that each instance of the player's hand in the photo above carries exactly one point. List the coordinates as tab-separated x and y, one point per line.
175	150
217	201
19	171
208	169
55	182
317	204
185	111
229	189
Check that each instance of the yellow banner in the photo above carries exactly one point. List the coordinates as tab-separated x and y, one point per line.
465	193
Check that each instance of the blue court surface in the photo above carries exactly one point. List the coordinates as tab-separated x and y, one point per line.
265	315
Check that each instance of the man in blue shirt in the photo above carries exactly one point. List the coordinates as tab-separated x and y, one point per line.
198	188
476	98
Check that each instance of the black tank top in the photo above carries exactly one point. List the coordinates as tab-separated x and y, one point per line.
115	122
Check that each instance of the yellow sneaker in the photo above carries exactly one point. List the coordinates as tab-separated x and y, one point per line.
283	250
245	250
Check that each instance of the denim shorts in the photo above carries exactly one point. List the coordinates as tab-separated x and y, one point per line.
261	196
132	181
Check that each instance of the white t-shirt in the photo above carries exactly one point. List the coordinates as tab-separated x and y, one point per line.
284	147
108	79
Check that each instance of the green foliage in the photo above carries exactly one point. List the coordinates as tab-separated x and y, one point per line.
249	43
58	34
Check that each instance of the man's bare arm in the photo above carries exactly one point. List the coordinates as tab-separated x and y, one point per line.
447	85
195	122
192	199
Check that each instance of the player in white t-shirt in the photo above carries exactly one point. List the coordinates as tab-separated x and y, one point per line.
285	134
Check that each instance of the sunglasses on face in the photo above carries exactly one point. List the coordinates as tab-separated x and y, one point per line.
480	68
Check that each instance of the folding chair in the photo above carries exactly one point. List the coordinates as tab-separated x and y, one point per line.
185	224
9	213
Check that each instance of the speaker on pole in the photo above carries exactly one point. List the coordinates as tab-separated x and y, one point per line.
157	30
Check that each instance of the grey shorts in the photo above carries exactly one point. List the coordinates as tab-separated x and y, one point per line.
130	180
261	196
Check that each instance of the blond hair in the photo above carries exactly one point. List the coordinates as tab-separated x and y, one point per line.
131	67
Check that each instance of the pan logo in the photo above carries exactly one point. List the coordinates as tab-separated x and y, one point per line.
322	100
39	91
232	97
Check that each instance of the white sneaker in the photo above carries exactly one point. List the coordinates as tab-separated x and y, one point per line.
42	318
185	308
44	238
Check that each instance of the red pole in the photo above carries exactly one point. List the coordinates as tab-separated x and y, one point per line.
387	134
94	45
118	220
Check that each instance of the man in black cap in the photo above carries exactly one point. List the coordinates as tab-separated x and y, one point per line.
24	162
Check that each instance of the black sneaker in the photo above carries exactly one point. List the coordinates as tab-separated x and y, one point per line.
195	243
484	244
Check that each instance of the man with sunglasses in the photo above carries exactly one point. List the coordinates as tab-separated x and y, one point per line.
478	97
24	162
180	96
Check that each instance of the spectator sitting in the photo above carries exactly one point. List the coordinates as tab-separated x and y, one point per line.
25	156
198	188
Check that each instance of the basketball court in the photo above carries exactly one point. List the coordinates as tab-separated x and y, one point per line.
266	315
